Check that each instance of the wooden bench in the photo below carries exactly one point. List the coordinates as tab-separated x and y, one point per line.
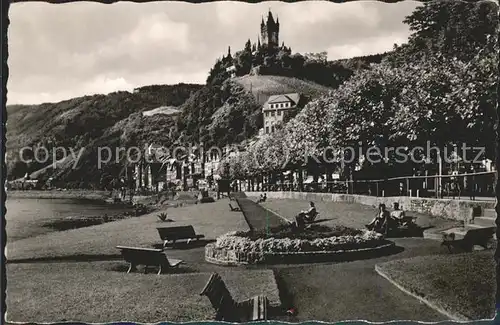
148	257
473	236
177	233
229	310
234	208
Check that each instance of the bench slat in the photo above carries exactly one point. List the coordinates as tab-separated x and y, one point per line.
229	310
175	233
174	262
148	257
139	249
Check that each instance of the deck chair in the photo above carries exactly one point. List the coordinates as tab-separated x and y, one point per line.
229	310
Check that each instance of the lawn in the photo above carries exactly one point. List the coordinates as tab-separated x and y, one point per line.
264	86
462	284
210	219
101	292
340	213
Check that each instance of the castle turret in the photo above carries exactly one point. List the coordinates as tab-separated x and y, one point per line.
270	31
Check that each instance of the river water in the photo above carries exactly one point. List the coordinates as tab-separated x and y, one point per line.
26	216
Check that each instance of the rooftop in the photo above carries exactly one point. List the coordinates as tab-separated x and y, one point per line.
283	98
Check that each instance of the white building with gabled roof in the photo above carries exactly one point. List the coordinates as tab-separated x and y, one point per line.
276	108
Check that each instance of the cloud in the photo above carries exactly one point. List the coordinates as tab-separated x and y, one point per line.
369	46
318	12
159	29
59	52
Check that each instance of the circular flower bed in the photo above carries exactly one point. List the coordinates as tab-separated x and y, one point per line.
315	238
253	247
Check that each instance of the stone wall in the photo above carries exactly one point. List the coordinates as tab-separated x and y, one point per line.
445	208
230	257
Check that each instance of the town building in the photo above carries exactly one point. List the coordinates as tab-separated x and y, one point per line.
232	71
276	110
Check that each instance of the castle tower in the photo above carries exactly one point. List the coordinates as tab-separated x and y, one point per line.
270	31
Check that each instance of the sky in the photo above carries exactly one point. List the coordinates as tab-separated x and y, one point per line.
58	52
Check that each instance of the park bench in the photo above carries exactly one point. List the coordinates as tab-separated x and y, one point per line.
229	310
148	257
174	234
473	236
234	208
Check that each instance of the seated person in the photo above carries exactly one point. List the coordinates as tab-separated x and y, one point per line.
379	223
307	216
262	198
397	214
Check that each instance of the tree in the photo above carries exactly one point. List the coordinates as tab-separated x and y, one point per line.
451	29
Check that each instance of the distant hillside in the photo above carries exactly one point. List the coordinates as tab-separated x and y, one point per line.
225	111
264	86
78	122
231	112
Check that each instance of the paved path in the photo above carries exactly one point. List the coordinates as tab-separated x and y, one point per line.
258	217
329	291
353	290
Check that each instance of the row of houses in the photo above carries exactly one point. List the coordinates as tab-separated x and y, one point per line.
160	171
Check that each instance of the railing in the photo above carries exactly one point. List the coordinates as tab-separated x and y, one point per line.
480	185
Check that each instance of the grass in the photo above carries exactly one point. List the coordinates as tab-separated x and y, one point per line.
333	214
209	219
264	86
462	284
97	293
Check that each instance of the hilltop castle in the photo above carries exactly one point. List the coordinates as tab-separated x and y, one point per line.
269	31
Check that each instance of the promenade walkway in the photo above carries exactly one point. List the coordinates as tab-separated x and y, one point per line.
258	217
328	292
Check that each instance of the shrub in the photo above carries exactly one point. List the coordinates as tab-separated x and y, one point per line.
283	240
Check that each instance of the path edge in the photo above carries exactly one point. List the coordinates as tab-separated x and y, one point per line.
450	315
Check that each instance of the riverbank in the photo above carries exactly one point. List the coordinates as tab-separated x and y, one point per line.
60	194
29	217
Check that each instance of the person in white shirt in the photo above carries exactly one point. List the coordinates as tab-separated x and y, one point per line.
397	213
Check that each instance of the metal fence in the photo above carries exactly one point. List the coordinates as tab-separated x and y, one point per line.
468	186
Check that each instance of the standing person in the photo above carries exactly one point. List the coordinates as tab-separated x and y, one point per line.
471	184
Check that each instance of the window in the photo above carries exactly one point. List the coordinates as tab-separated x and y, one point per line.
279	113
272	129
281	105
272	113
267	129
272	105
267	114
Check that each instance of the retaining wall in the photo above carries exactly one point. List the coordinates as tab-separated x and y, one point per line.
229	257
446	208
